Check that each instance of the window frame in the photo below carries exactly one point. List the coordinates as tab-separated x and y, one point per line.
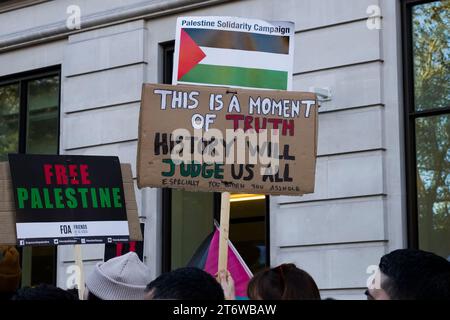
167	49
410	117
22	79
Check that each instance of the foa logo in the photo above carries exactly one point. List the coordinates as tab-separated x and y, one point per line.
65	229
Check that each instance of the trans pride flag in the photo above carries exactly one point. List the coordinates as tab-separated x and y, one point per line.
207	255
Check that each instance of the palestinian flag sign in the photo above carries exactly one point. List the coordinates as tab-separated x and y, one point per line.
234	52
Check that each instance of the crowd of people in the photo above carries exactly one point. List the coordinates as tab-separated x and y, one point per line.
404	274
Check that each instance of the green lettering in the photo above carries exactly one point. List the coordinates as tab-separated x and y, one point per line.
116	198
172	168
105	197
218	170
82	192
207	173
47	203
22	196
196	169
94	198
58	198
71	201
36	202
185	169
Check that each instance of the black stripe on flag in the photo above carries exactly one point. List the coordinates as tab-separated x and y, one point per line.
239	40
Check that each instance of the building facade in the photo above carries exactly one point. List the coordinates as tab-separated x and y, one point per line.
383	166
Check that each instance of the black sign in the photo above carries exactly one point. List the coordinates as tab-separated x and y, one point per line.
117	249
68	199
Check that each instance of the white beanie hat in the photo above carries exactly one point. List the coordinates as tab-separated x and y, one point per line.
121	278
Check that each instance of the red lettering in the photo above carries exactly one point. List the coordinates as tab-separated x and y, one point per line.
275	122
73	174
48	173
119	248
236	118
258	126
84	174
61	175
248	123
66	174
288	125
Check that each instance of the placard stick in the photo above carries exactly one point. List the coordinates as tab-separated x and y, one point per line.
224	229
79	263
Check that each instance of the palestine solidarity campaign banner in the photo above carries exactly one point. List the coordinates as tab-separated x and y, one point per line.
234	52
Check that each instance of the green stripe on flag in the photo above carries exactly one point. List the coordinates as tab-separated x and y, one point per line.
237	76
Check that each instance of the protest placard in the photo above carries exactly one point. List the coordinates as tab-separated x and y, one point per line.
62	209
213	139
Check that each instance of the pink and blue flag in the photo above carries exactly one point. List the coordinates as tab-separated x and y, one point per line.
207	256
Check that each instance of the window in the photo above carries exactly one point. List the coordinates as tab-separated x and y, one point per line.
29	113
249	228
29	123
9	115
427	103
188	217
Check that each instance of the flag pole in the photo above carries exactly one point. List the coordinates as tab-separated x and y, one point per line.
79	263
224	231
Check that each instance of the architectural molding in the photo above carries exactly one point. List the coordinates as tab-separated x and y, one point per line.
18	4
141	10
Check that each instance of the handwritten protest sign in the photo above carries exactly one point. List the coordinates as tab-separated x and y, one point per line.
217	139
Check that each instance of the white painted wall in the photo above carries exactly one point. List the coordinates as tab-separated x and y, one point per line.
103	71
53	12
357	212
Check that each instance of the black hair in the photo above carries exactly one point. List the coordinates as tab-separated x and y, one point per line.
43	292
285	282
92	297
415	274
5	296
185	284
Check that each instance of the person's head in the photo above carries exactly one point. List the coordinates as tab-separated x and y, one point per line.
43	292
285	282
120	278
185	284
412	274
9	270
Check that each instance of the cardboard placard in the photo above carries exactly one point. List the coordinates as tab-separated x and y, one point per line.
220	139
8	212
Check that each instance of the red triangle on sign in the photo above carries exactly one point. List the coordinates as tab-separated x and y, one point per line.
190	54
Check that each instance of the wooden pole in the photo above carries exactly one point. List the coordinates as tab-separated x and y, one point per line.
79	263
224	229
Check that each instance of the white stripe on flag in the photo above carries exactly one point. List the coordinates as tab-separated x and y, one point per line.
246	59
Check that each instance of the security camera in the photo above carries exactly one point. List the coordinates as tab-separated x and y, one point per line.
323	93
